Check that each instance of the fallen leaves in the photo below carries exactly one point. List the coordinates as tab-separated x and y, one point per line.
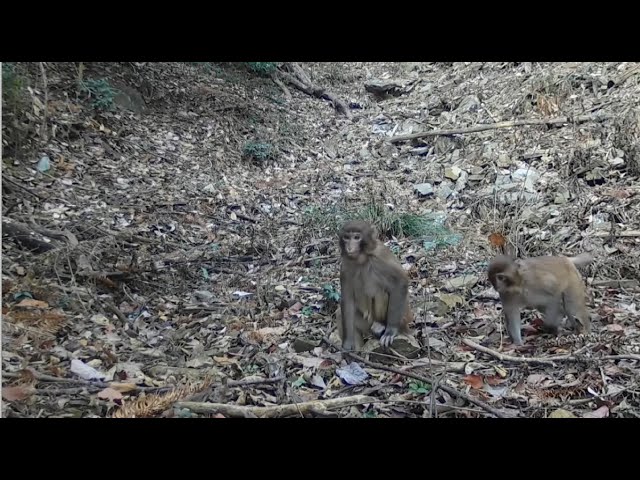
18	393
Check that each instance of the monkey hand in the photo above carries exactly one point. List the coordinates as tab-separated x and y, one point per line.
389	336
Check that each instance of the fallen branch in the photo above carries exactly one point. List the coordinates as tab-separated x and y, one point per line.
44	136
625	76
530	360
13	182
422	378
41	377
622	283
507	124
283	87
276	411
627	233
297	77
626	356
27	237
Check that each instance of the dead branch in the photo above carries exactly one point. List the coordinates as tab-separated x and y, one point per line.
282	86
43	128
27	237
63	235
615	283
276	411
255	381
297	77
430	381
626	76
508	124
627	356
627	233
6	178
530	360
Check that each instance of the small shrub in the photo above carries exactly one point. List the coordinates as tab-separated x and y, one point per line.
262	68
259	151
12	84
101	92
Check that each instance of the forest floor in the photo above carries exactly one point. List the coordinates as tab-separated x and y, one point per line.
170	249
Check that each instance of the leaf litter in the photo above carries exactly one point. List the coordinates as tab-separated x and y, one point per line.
203	269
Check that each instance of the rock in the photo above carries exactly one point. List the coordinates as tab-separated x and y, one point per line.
424	189
301	345
452	173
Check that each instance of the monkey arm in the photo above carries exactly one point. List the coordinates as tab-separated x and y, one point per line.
397	301
392	279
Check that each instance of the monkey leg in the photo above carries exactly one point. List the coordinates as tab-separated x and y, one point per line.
357	340
552	314
512	317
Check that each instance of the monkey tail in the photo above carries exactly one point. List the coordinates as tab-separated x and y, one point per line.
582	260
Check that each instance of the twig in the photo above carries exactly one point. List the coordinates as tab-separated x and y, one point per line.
13	182
625	76
43	127
628	233
530	360
275	411
549	360
627	356
257	381
116	311
283	87
507	124
446	388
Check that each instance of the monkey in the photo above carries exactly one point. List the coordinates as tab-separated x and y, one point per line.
374	289
550	284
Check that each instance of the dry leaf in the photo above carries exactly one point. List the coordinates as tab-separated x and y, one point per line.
450	300
500	371
225	360
561	413
497	240
474	381
535	378
110	394
123	387
494	380
31	303
18	393
601	412
615	328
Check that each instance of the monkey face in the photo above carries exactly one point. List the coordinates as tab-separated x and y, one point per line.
351	243
356	238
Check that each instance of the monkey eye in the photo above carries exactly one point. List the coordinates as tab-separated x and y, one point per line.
356	236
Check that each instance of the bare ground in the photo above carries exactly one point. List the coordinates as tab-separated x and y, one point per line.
179	258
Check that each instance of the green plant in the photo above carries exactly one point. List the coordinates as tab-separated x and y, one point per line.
12	84
259	151
330	292
262	68
419	388
101	92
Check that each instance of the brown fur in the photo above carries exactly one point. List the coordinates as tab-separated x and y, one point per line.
552	285
374	289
